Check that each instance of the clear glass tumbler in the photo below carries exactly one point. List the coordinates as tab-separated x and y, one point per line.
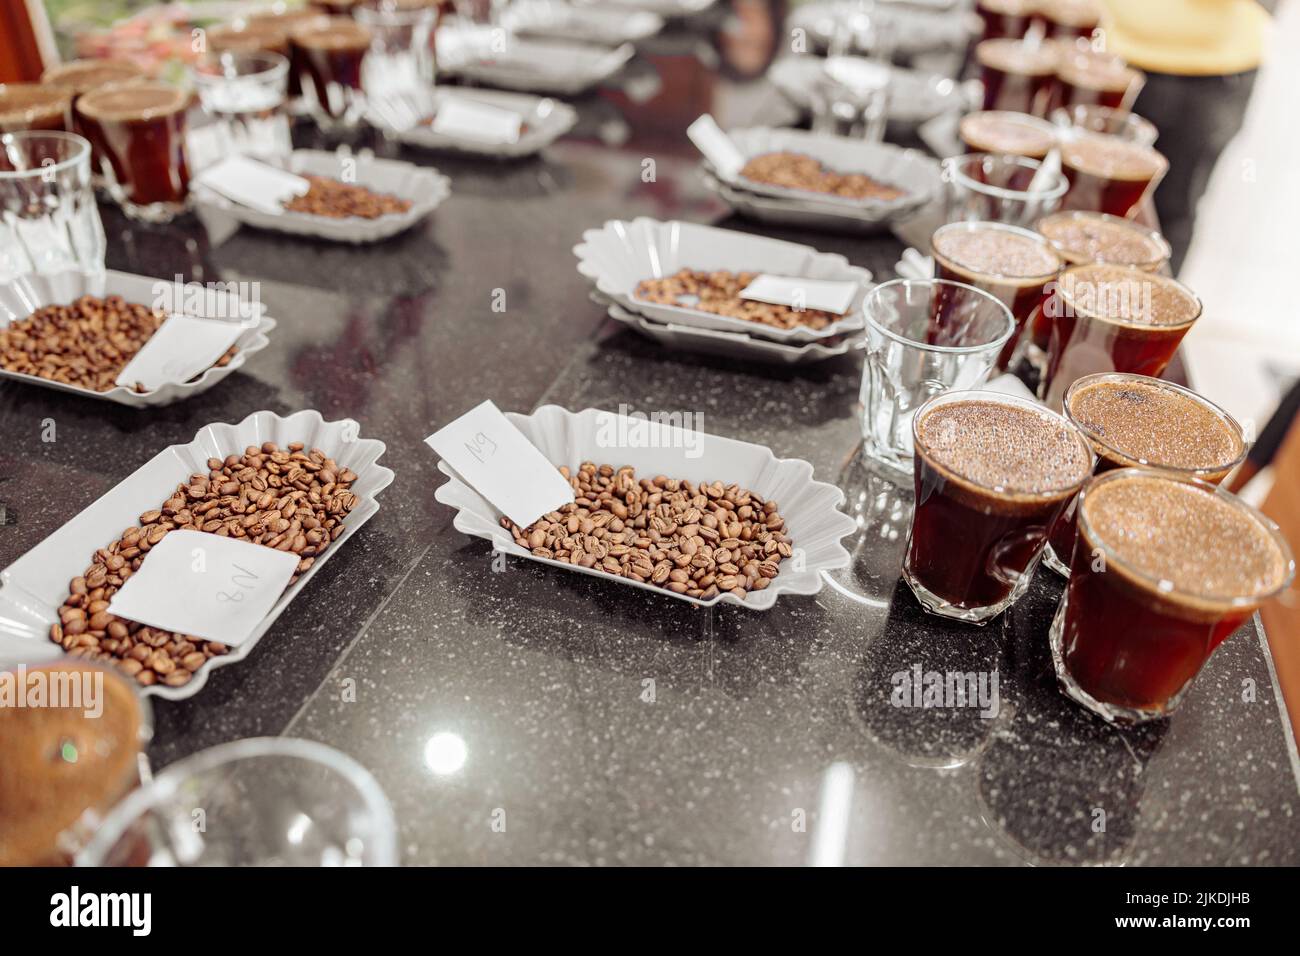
244	91
48	218
266	801
924	336
401	52
988	187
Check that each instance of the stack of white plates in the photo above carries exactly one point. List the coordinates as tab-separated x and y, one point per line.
618	256
914	95
908	170
917	27
497	57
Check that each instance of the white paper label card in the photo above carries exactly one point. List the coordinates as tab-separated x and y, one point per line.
253	184
717	147
203	584
822	295
462	118
181	348
495	458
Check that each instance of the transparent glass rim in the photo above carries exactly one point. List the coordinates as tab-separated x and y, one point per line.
79	143
970	225
1076	133
1139	275
953	166
988	395
1067	117
1166	251
1081	383
273	66
995	344
1163	588
169	781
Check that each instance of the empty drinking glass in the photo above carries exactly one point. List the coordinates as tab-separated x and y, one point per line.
401	51
851	98
50	222
244	91
268	801
996	188
924	336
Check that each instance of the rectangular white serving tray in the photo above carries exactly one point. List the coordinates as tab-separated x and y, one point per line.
34	587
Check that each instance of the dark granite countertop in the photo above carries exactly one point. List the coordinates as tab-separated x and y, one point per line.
607	725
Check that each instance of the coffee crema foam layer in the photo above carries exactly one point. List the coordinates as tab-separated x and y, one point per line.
31	101
1108	157
338	34
1014	56
1004	447
1091	237
1126	296
41	792
999	132
125	102
81	76
1096	71
1174	532
990	251
1146	422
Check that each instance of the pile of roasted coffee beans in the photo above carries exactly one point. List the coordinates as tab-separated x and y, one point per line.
719	293
797	171
288	499
85	344
694	539
338	200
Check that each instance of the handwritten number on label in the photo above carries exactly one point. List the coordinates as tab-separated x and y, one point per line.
246	580
481	446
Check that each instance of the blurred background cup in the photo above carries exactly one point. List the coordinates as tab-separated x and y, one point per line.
850	98
401	47
1109	174
1090	118
36	106
50	220
995	188
1005	133
1087	76
66	763
269	801
80	77
1005	18
1068	19
328	58
139	131
1016	75
244	92
924	336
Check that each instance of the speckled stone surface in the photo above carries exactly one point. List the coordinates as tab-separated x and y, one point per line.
602	725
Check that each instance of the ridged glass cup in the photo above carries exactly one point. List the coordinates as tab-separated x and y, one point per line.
924	336
48	219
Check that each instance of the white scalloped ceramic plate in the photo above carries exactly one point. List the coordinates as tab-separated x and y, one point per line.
621	254
424	186
908	170
21	297
810	508
914	95
786	213
728	344
668	9
33	588
545	120
529	64
588	24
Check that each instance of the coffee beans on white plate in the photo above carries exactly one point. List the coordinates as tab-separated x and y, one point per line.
719	292
799	171
86	343
694	539
338	200
289	499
